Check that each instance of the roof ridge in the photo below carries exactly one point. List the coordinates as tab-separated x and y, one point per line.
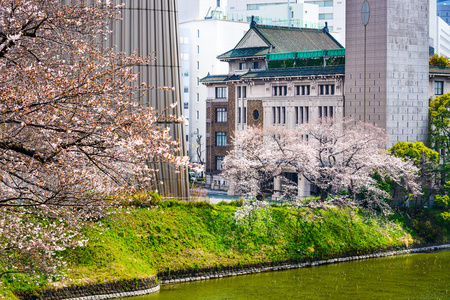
289	28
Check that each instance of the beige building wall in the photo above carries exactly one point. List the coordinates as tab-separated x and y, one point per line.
392	92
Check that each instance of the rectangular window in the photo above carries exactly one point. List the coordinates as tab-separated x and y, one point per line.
274	115
278	115
198	97
221	114
198	65
330	112
221	92
239	115
323	3
320	111
186	89
198	81
438	87
198	115
244	116
242	66
198	49
221	139
244	92
326	89
283	115
279	90
328	16
255	65
297	114
239	92
302	90
219	161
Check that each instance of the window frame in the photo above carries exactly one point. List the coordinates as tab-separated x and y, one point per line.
221	92
438	87
221	139
221	114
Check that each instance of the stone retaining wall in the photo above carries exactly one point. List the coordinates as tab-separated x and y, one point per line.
137	287
110	290
210	273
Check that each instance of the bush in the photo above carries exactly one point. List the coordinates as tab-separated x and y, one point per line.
442	201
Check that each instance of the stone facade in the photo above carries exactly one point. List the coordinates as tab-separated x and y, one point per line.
386	67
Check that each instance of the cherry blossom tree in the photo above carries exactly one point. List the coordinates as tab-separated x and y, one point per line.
71	136
260	156
333	156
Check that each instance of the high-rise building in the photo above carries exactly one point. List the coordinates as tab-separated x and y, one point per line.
300	13
149	26
201	42
386	67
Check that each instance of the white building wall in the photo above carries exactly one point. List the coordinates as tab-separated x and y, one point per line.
204	40
241	9
443	38
192	10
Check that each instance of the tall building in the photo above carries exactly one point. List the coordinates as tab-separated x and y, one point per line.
201	41
439	28
330	11
149	26
202	37
386	67
443	10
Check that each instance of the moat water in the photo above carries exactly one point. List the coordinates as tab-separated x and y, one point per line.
411	276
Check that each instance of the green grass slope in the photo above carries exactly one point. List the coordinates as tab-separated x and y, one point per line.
174	235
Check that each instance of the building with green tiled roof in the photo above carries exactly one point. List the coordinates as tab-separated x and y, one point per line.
282	77
261	40
278	76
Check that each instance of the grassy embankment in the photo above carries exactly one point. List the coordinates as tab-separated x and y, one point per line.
139	242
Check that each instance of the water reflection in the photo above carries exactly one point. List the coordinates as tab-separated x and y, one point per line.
413	276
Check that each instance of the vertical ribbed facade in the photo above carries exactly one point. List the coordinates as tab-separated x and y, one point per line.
152	26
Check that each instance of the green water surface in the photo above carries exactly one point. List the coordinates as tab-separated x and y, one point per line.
412	276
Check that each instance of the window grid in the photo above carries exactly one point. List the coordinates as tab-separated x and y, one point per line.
221	115
221	139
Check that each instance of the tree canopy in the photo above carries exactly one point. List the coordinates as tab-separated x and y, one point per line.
414	151
439	130
334	156
70	135
439	61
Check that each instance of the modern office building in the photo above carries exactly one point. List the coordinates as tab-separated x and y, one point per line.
201	41
386	67
268	11
443	10
149	26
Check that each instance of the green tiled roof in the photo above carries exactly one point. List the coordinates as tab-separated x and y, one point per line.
439	70
284	39
305	71
218	78
245	52
295	72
